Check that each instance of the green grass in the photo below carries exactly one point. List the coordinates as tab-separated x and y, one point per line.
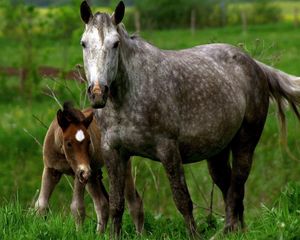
21	158
281	221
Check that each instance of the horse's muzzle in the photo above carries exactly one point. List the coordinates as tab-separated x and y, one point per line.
98	95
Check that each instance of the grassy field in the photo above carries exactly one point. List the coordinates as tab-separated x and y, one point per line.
21	159
281	221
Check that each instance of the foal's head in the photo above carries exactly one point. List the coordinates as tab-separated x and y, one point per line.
76	140
100	42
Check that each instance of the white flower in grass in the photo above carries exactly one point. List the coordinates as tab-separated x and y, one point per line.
282	225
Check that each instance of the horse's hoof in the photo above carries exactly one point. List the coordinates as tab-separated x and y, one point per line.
230	228
244	229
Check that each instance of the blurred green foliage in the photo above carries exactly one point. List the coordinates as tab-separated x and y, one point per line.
63	21
265	12
20	21
163	14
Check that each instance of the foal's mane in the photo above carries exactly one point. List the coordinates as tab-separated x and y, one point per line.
72	114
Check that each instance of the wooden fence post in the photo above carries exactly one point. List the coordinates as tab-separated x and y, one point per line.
244	20
137	21
193	21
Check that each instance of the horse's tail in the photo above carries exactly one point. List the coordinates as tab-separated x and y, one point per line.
283	88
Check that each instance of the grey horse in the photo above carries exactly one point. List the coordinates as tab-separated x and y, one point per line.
178	107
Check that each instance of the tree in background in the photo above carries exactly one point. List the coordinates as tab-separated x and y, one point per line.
171	14
19	22
264	11
206	13
182	13
28	27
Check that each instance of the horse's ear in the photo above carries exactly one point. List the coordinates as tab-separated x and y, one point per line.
118	15
85	12
87	121
63	122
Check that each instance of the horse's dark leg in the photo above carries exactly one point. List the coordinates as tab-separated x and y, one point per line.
99	195
243	146
135	203
220	170
116	164
49	180
169	155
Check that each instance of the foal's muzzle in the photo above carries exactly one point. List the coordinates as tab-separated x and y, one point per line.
83	175
98	95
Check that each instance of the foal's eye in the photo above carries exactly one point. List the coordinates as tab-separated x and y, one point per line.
83	44
116	44
69	144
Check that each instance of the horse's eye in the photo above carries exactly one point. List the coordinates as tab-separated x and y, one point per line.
83	44
69	144
116	44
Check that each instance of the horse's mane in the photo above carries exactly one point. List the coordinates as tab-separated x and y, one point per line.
72	114
136	39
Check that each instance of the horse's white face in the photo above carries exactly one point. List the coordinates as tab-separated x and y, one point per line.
100	42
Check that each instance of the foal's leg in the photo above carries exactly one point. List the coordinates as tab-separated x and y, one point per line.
220	171
77	205
135	203
50	179
99	195
243	147
169	155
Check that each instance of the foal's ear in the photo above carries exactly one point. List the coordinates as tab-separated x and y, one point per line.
63	122
85	12
118	15
87	121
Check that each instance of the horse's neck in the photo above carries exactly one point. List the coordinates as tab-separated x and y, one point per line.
137	61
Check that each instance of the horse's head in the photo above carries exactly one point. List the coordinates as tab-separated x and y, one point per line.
76	140
100	42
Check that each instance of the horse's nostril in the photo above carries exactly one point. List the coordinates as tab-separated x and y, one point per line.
105	89
81	174
89	90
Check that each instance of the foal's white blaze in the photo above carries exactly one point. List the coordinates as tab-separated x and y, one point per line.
79	136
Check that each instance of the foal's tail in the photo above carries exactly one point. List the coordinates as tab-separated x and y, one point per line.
283	88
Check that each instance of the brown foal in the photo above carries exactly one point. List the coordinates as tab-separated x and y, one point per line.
72	146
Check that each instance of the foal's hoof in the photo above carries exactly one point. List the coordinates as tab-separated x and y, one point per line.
41	212
101	229
194	234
